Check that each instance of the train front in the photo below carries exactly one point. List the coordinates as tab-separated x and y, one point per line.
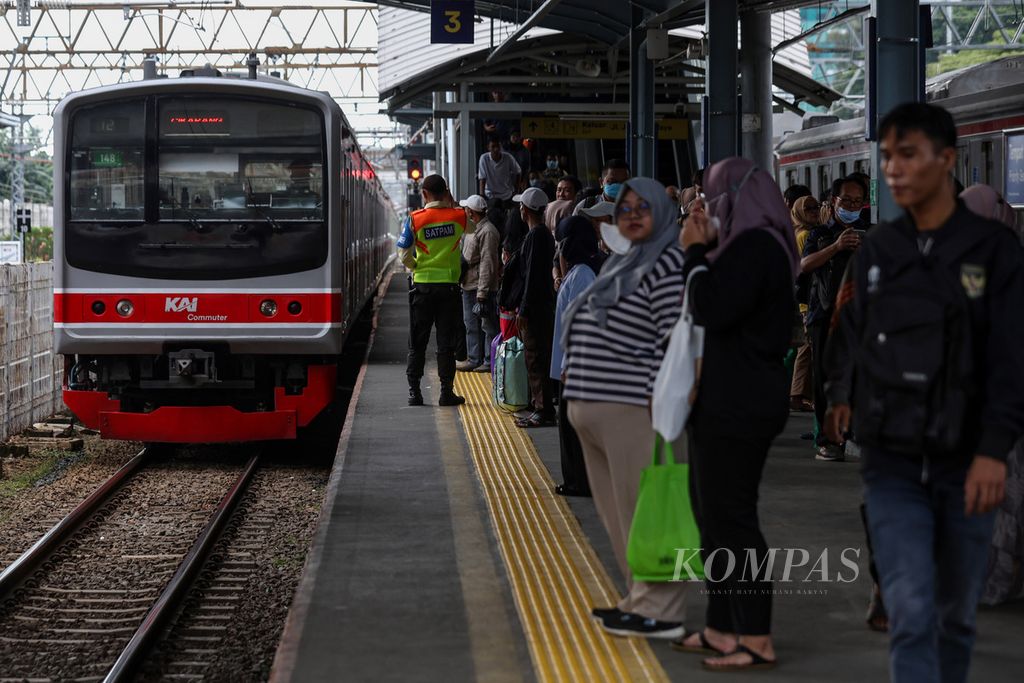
193	298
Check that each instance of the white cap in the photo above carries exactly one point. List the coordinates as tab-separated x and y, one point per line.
475	203
532	198
599	210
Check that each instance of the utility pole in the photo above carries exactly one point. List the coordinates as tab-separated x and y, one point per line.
18	150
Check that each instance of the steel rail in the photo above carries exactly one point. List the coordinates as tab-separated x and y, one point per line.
169	601
32	558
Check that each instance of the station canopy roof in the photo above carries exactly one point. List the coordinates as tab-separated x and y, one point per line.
576	52
607	21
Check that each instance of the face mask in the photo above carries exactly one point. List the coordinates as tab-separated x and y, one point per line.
847	216
552	164
611	190
614	240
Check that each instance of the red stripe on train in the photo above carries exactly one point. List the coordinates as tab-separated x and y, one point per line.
199	309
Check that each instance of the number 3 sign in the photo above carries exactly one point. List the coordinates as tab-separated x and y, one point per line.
451	21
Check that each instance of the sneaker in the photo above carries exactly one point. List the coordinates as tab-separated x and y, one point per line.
415	396
602	613
450	398
524	413
627	624
466	366
830	453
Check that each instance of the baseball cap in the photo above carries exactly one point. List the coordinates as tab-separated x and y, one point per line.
599	210
532	198
475	202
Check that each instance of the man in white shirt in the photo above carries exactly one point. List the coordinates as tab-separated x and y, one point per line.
498	173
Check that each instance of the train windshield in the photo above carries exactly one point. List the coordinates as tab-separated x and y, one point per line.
224	159
107	162
198	188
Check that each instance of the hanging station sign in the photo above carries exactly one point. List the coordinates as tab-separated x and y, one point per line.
451	21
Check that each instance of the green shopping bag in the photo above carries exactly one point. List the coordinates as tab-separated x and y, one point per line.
663	538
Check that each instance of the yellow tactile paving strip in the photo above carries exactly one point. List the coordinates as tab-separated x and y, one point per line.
556	577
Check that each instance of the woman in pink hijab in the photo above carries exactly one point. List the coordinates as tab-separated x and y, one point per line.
744	299
987	203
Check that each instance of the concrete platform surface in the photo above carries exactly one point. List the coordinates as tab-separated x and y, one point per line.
444	556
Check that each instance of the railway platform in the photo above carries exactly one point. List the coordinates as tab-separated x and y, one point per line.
443	554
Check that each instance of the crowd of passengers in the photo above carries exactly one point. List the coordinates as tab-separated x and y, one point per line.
806	307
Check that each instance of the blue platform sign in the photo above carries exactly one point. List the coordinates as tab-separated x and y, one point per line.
1015	170
451	21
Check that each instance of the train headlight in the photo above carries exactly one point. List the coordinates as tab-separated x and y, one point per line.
98	307
268	307
125	308
295	308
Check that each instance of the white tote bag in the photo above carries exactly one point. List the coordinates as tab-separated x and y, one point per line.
676	383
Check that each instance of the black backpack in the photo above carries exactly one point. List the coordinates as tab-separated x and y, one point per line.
914	384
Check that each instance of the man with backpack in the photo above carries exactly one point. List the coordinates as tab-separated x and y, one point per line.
925	365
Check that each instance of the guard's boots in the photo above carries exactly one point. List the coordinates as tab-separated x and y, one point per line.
449	397
415	395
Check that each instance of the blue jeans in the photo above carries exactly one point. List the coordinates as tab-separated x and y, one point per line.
932	561
480	329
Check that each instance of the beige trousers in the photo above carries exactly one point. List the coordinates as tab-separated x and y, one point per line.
801	386
617	442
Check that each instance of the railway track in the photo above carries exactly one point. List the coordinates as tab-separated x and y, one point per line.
91	596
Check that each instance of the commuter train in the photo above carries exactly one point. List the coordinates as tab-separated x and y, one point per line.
987	102
216	237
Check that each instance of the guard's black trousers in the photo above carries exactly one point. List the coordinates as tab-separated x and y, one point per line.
440	306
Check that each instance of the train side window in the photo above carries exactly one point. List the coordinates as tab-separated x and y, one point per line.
807	176
790	178
842	169
859	165
987	162
824	179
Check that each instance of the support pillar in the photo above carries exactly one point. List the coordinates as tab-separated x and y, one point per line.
897	55
756	84
641	101
464	184
721	125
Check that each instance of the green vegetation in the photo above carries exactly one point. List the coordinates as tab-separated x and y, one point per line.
49	461
965	58
38	167
39	244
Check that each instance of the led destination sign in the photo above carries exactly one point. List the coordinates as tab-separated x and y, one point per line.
196	123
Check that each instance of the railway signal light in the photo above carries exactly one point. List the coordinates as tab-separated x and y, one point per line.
414	168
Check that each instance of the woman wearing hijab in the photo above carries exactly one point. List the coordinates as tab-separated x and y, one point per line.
579	259
987	203
805	214
745	301
612	335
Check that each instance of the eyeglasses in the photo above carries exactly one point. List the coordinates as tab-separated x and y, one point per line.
851	202
641	210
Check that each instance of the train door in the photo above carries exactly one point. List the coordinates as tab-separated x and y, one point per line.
963	160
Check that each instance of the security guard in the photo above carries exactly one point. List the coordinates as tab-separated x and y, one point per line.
430	246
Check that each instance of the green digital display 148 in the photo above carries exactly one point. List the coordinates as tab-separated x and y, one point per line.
106	158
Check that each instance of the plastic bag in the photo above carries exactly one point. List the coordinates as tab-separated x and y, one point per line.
675	386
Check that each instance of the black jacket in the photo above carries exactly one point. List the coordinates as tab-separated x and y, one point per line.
535	257
995	418
745	302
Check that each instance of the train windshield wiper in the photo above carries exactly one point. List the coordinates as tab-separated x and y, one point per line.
191	245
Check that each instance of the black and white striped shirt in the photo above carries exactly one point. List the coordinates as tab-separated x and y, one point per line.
617	363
